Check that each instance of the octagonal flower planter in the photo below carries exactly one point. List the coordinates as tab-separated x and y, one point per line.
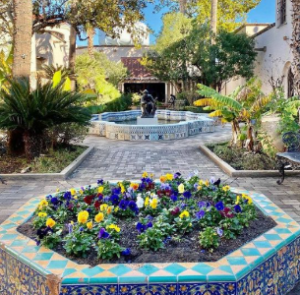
267	265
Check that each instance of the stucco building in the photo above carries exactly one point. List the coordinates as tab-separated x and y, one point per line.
274	54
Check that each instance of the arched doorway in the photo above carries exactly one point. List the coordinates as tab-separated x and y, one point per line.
290	83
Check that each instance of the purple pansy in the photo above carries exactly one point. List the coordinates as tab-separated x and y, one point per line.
114	199
126	252
187	194
100	181
220	206
200	214
103	234
123	204
220	232
237	208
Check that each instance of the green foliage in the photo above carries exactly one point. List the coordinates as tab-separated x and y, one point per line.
101	75
6	61
107	249
52	69
78	243
152	239
41	108
52	239
209	239
121	103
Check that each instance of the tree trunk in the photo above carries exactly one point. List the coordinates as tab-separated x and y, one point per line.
15	142
72	55
214	19
91	33
182	6
33	144
22	38
236	131
296	46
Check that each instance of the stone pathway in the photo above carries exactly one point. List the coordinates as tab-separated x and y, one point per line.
115	160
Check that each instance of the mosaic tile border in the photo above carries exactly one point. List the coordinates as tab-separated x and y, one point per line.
190	124
267	264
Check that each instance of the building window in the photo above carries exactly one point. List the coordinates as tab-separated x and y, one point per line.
290	83
281	12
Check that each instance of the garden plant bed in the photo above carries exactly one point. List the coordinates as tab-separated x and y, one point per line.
208	151
53	162
174	252
147	221
251	269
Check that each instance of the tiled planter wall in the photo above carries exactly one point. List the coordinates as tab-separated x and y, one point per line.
268	265
191	124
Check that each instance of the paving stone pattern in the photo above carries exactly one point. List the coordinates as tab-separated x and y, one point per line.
115	160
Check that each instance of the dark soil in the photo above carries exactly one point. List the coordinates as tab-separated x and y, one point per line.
188	250
241	159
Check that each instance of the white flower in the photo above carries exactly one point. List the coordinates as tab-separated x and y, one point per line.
154	196
140	202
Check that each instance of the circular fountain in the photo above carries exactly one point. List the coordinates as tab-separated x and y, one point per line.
171	125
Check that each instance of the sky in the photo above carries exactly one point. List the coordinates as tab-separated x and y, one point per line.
263	13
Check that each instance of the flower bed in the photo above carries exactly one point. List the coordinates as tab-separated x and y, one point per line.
127	222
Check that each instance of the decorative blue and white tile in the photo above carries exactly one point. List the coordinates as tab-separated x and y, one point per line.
163	289
89	289
133	289
228	288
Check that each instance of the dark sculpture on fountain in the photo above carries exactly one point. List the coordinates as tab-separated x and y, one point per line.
148	105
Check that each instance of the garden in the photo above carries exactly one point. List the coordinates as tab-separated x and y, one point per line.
147	221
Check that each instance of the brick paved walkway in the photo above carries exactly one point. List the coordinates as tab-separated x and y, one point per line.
114	160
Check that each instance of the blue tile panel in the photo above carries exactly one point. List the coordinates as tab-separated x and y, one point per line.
267	265
190	124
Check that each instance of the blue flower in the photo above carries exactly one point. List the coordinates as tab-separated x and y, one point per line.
123	204
220	232
202	204
174	197
177	175
48	197
81	229
149	217
196	186
200	214
67	196
126	252
103	234
54	201
133	206
140	227
142	186
165	186
100	181
237	209
220	206
183	206
116	191
212	180
187	194
149	224
114	199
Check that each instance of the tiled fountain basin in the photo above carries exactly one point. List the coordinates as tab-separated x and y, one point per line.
267	265
190	124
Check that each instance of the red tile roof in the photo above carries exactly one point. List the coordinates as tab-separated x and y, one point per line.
135	69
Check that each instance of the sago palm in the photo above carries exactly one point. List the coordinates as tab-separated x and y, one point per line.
244	105
34	111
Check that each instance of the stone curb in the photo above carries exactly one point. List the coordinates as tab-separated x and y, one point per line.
229	170
51	176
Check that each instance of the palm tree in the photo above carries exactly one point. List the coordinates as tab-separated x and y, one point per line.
182	6
90	33
296	46
245	105
22	38
31	112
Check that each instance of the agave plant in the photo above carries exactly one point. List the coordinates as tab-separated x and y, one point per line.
34	111
244	105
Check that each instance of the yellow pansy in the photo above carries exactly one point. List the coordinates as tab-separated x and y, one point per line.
75	197
181	188
89	225
109	209
153	204
247	198
163	178
134	186
83	217
113	226
184	214
122	188
57	190
226	188
50	222
43	203
206	182
100	189
73	191
169	176
238	199
151	175
81	191
99	217
103	207
145	174
147	201
199	187
116	209
42	214
201	182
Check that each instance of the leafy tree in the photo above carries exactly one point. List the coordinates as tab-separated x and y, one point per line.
32	112
230	13
232	55
5	68
99	74
244	105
